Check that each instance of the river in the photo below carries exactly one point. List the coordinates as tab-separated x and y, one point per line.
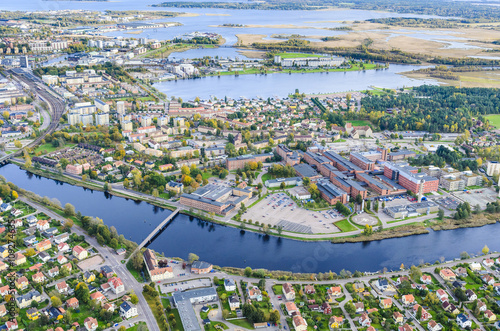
282	84
226	246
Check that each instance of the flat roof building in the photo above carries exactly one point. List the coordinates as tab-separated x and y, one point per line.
184	302
305	170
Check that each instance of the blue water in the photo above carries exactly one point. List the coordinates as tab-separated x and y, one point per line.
282	84
226	246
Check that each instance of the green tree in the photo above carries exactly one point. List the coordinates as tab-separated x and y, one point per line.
55	301
193	257
82	292
415	273
440	214
485	250
69	210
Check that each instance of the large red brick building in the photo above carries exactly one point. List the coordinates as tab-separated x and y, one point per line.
410	178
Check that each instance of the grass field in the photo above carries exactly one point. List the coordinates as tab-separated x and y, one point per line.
296	55
49	148
494	120
359	123
345	226
244	323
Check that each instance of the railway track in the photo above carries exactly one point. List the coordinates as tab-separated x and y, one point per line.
56	106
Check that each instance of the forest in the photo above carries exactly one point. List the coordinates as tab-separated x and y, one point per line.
434	108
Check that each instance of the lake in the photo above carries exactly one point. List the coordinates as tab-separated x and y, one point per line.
226	246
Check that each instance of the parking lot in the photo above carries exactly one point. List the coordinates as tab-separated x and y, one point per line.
280	210
477	197
183	286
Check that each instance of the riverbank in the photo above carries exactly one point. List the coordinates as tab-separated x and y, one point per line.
397	231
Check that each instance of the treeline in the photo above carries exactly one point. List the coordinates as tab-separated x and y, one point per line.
435	23
445	156
197	40
361	52
268	5
434	108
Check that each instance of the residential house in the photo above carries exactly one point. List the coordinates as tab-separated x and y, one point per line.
335	322
381	284
19	258
61	259
72	303
326	308
360	287
42	225
97	296
365	320
442	295
128	310
288	292
32	314
79	252
434	326
22	283
386	303
333	293
488	314
481	306
62	287
408	300
54	272
291	308
360	307
461	272
471	296
11	325
463	321
488	279
39	277
234	302
299	323
309	289
63	247
254	293
398	317
405	327
426	279
488	263
116	285
229	285
44	256
63	237
90	324
425	314
88	276
447	274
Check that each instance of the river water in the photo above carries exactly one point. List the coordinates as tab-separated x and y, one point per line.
282	84
226	246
